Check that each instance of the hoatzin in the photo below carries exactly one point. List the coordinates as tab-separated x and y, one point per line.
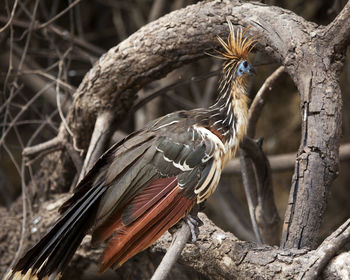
149	181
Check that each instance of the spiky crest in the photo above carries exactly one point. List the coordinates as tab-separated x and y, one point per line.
237	47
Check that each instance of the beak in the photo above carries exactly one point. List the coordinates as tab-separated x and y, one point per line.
252	70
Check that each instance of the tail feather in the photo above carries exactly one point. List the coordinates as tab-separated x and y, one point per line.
48	258
131	239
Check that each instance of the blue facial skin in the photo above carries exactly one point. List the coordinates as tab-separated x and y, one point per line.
244	68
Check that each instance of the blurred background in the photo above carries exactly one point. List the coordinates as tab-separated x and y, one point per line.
38	52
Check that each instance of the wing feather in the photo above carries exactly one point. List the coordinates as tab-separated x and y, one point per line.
140	234
147	198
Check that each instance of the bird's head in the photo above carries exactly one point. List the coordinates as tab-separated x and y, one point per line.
235	54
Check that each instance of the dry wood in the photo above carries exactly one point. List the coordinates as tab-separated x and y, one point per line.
178	242
220	255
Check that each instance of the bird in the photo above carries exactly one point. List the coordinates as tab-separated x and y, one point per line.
150	180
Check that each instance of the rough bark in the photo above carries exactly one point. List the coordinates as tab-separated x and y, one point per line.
316	72
220	254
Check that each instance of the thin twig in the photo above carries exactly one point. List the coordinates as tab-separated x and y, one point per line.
23	110
33	153
59	14
11	17
24	218
67	87
62	34
259	101
25	107
323	254
179	241
58	100
24	52
28	77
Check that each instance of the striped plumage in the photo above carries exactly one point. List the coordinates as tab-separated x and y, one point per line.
146	183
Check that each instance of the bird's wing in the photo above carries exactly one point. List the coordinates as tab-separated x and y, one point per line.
151	180
151	186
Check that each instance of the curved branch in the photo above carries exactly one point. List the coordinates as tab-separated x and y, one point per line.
259	101
165	44
265	209
337	32
258	189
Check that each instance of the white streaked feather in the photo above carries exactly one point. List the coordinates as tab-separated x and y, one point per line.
167	124
183	167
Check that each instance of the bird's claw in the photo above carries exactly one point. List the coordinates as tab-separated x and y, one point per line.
194	223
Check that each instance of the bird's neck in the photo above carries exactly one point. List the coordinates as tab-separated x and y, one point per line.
228	117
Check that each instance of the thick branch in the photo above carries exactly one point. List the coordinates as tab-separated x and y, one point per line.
337	32
220	255
162	46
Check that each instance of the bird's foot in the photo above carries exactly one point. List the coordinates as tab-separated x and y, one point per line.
194	223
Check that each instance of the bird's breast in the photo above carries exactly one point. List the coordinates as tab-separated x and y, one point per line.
240	111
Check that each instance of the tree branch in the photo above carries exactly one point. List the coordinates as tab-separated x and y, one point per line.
259	101
98	141
265	208
329	247
284	162
220	254
337	32
179	240
256	175
250	190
